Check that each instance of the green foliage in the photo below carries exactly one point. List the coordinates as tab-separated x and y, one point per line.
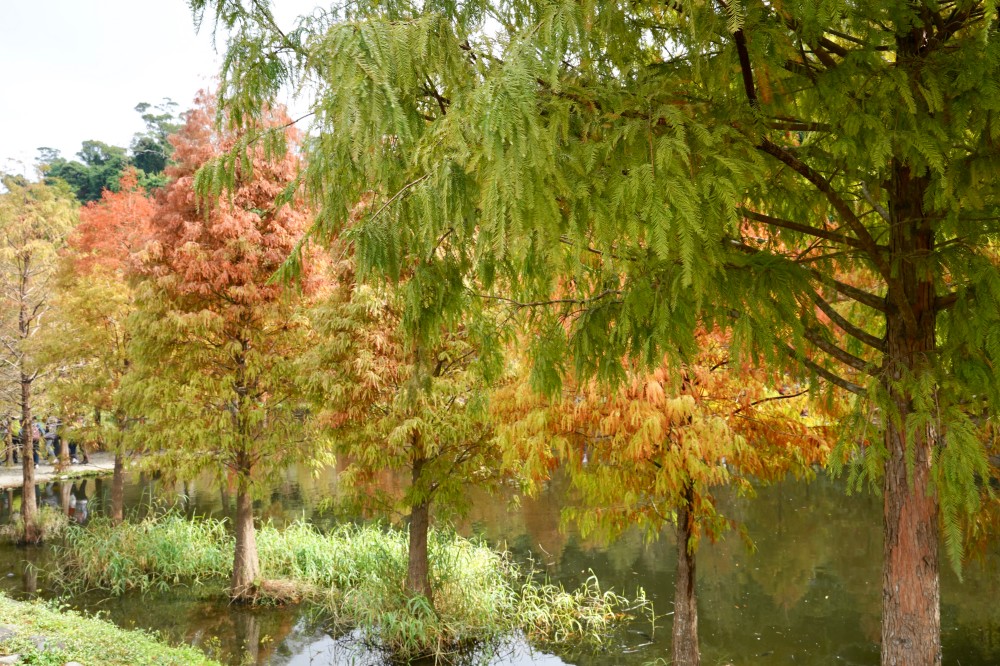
100	167
354	573
820	178
387	403
151	151
186	364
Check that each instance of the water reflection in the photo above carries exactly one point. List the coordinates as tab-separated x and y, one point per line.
810	594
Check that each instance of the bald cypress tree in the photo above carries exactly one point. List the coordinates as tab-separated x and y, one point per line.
820	178
35	219
211	381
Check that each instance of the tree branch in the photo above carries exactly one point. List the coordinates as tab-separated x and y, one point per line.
771	399
843	209
829	376
740	40
852	292
554	301
848	359
846	326
802	228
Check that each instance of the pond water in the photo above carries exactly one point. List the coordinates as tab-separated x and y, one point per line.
808	594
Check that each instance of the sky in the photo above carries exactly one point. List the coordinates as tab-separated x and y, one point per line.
74	70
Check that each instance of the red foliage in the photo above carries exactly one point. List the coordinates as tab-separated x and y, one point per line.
224	250
112	229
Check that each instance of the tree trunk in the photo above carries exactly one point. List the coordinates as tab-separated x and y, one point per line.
418	580
63	447
29	508
684	647
118	490
246	566
418	570
9	444
911	619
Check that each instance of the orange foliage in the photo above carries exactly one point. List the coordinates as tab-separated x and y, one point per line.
634	449
112	229
225	250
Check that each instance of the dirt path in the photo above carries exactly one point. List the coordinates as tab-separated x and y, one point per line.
100	463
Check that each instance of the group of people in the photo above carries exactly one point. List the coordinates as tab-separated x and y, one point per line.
46	437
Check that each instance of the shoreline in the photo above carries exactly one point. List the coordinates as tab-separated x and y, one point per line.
44	632
101	462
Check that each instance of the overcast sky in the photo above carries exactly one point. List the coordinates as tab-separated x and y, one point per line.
75	69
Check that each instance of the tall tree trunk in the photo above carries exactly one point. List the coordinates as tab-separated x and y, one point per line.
63	446
29	508
911	619
418	579
118	490
8	441
684	646
246	566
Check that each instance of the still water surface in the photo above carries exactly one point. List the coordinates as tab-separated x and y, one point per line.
808	594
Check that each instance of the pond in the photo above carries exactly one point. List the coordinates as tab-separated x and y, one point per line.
809	592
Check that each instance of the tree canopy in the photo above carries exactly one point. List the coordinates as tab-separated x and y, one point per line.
614	162
100	166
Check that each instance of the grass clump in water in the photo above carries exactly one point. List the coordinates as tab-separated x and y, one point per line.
52	524
155	553
88	640
356	574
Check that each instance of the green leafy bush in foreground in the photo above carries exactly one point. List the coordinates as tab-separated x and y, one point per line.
355	574
90	641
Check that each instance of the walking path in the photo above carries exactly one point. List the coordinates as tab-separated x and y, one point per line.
101	462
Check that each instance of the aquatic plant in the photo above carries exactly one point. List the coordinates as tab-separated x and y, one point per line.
155	553
356	574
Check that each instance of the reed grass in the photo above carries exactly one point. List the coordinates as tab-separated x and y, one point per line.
354	573
156	553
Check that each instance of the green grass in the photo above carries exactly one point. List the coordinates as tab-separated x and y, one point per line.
156	553
90	641
355	574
